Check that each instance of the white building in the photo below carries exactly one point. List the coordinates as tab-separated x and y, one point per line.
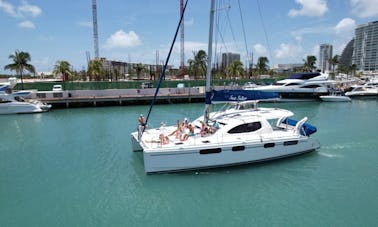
365	49
325	55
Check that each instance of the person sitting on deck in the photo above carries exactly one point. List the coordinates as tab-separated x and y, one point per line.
204	129
141	120
178	131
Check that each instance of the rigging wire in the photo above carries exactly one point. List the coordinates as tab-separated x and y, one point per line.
164	69
265	33
245	39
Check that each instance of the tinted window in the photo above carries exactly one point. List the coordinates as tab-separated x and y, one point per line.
288	143
249	127
211	151
267	145
238	148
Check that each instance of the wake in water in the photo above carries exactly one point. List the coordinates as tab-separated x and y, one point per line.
330	155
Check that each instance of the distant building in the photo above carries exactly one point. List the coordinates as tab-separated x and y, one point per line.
365	48
325	54
346	55
123	70
229	58
287	68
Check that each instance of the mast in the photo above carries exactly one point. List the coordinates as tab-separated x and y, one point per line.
209	56
95	32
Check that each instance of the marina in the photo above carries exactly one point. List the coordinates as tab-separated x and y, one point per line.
75	166
176	135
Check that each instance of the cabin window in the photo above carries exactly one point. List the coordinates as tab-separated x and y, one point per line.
288	143
58	95
238	148
267	145
311	86
41	95
211	151
248	127
4	100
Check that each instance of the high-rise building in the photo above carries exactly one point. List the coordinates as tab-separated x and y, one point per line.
228	58
346	55
325	54
365	50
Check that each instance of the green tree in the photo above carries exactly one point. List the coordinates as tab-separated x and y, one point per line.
352	68
139	68
198	64
63	67
20	63
95	69
309	63
235	69
334	61
262	64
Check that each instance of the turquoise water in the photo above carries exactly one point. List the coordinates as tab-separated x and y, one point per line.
74	167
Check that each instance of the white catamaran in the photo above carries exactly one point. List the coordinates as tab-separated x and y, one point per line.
243	133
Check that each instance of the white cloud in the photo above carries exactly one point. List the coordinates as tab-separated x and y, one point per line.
310	8
121	39
22	11
345	27
26	24
288	51
364	8
260	49
8	8
26	9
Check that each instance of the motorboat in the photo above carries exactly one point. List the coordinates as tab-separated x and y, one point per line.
305	86
363	91
240	134
335	96
16	103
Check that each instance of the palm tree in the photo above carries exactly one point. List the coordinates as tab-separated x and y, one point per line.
235	69
309	63
334	61
95	69
262	64
20	63
63	67
352	68
139	68
198	64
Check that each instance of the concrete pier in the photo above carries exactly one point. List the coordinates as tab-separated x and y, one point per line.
113	97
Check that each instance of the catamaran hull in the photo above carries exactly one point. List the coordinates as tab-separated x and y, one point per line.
188	159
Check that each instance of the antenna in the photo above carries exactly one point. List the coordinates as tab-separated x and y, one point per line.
95	33
182	40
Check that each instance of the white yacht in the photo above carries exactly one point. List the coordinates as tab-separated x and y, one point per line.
363	91
14	103
238	135
299	87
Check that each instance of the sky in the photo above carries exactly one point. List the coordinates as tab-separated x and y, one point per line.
284	31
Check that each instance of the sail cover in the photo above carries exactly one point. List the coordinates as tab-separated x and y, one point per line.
240	95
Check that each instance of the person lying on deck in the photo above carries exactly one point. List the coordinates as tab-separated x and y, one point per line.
162	140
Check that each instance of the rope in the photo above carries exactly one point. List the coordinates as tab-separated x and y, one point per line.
162	75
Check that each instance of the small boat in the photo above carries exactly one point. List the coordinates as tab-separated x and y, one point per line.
335	97
240	134
15	103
